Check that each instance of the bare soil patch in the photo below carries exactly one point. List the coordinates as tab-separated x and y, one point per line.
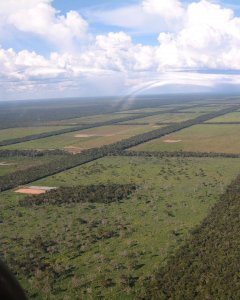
6	164
172	141
30	191
34	190
73	150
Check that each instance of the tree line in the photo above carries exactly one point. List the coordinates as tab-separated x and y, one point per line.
81	194
31	153
173	154
79	127
12	180
207	265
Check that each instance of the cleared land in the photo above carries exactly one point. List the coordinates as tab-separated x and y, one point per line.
94	137
107	250
92	119
232	117
11	164
199	138
13	133
165	118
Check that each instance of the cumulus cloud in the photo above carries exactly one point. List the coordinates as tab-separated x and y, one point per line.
112	62
41	18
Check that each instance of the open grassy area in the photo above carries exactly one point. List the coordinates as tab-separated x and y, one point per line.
107	250
92	119
11	164
12	133
166	118
89	138
232	117
198	138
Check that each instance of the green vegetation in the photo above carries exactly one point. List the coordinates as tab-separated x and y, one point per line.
13	133
10	165
94	137
232	117
137	214
80	194
92	249
207	266
166	118
198	138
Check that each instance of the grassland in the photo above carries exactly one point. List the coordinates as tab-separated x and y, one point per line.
94	137
13	133
98	250
198	138
109	251
165	118
11	164
91	119
232	117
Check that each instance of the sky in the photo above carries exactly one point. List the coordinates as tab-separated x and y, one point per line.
78	48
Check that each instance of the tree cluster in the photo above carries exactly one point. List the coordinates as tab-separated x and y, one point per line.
80	194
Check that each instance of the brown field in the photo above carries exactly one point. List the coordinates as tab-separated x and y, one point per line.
30	191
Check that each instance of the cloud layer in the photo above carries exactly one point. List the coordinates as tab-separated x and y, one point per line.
81	63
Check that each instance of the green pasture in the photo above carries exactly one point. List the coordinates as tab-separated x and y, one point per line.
165	118
12	133
198	138
107	250
94	137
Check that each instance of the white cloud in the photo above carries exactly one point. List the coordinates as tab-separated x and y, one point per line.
112	62
167	9
41	18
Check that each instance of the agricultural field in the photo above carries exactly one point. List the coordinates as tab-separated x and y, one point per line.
198	138
12	164
91	119
85	139
232	117
107	250
98	221
165	118
13	133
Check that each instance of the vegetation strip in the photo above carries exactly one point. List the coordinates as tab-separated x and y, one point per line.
173	154
81	127
31	153
79	194
207	266
34	173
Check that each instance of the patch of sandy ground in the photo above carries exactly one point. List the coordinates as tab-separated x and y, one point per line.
29	191
172	141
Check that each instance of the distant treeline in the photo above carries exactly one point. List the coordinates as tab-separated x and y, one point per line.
76	128
222	123
26	113
31	153
34	173
207	266
81	194
173	154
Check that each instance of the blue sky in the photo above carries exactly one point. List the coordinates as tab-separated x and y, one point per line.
90	48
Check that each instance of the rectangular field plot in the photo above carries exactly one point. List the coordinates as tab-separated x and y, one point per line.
231	117
198	138
11	164
91	119
12	133
85	139
113	243
165	118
